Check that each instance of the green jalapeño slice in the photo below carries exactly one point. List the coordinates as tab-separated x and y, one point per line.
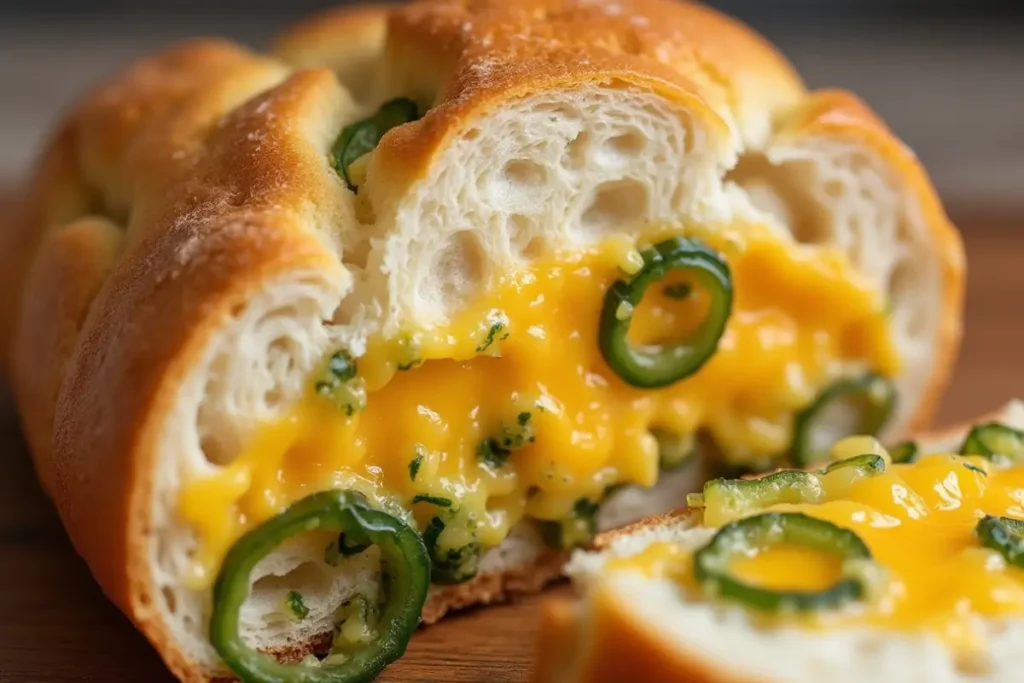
760	533
662	365
407	578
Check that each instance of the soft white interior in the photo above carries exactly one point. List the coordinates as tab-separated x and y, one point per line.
703	630
558	170
793	655
831	192
257	364
552	170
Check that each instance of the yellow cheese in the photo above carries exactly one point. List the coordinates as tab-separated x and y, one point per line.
918	521
773	569
528	347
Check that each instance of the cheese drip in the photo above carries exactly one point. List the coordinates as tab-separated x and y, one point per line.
522	362
919	522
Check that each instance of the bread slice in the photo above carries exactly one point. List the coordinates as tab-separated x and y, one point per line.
628	627
185	255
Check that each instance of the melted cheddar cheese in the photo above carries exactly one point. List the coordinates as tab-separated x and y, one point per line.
919	522
523	360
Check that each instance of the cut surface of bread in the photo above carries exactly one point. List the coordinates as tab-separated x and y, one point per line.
630	623
229	300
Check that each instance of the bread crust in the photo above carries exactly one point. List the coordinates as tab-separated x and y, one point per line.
490	588
199	156
620	648
171	288
347	40
486	53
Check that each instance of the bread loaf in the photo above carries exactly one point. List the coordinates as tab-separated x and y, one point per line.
193	251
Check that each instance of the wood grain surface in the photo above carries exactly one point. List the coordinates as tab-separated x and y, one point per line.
55	624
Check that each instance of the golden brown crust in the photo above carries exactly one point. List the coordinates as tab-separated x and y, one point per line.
201	156
68	271
174	283
610	644
478	54
101	159
487	589
347	40
682	514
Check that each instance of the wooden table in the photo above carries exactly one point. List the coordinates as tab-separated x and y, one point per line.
55	625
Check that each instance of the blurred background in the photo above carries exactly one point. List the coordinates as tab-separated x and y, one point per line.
947	76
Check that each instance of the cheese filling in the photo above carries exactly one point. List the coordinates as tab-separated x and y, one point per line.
510	411
919	522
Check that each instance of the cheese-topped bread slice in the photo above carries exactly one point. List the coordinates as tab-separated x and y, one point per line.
900	565
433	292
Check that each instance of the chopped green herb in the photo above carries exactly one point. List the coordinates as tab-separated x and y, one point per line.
495	450
338	383
492	452
434	528
415	463
454	550
345	545
342	366
298	609
585	508
407	351
679	290
492	335
439	501
975	468
578	529
614	488
518	435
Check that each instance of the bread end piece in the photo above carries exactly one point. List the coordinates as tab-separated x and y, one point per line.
609	633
